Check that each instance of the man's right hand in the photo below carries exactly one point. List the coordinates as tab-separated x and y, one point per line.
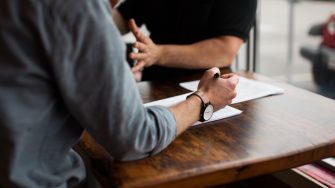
220	91
148	54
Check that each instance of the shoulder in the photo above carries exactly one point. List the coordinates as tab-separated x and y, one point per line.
77	16
237	9
237	4
77	9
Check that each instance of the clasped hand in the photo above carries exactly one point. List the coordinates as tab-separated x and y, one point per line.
220	91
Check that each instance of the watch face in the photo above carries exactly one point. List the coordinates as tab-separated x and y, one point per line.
209	110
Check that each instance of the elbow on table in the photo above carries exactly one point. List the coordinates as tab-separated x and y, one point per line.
128	150
150	135
134	143
129	156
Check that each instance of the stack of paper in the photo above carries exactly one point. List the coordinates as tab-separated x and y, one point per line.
220	114
246	90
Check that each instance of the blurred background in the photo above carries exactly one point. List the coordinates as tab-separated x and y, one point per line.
283	30
277	20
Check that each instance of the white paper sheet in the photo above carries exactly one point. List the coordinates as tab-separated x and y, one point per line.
246	89
220	114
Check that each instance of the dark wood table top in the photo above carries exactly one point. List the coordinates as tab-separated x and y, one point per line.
272	134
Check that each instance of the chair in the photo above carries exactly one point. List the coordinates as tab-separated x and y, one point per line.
251	49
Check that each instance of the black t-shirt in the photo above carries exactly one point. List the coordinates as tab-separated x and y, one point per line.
190	21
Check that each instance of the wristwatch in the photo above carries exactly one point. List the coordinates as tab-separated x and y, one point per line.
207	108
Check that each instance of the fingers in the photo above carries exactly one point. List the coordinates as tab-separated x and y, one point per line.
137	56
133	27
137	75
140	46
227	75
210	73
138	67
137	33
214	71
233	80
222	90
207	78
233	95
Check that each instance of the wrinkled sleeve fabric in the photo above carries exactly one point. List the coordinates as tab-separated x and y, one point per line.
97	85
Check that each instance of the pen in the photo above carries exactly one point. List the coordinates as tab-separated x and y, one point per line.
216	75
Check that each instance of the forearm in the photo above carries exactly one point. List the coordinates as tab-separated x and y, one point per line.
215	52
186	113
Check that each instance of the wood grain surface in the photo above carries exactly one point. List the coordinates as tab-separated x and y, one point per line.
272	134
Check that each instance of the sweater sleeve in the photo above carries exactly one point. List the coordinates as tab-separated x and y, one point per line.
97	86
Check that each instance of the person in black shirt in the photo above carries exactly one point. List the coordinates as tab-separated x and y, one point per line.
63	72
185	35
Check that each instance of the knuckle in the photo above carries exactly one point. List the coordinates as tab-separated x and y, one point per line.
208	71
138	34
231	85
234	94
211	72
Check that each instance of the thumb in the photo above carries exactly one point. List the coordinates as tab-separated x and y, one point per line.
133	27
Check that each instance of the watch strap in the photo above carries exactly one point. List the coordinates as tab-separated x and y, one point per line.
201	95
204	102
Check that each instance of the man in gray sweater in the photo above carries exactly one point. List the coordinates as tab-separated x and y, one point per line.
63	71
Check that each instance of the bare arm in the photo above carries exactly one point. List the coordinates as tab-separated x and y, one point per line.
219	92
213	52
186	113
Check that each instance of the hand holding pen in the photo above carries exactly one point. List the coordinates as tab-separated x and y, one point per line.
219	89
217	75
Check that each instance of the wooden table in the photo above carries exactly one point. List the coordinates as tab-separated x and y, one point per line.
272	134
